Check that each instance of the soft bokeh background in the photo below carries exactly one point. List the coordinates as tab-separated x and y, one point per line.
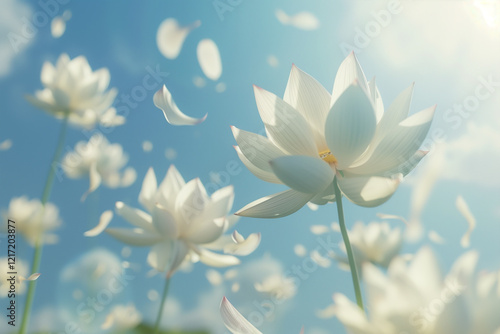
448	48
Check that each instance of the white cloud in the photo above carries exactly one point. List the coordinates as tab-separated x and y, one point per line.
473	157
422	39
13	27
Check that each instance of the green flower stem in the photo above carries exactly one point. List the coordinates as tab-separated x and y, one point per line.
162	305
350	254
38	244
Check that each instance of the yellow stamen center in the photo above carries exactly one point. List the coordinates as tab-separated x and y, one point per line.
327	156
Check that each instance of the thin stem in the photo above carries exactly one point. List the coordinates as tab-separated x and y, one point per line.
38	244
350	254
162	305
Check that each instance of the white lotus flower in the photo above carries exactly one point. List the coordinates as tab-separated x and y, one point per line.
414	298
101	162
32	220
313	136
235	322
72	87
183	223
376	243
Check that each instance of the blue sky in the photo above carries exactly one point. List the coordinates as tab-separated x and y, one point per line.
448	56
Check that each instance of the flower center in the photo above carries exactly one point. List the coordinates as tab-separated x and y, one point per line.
327	156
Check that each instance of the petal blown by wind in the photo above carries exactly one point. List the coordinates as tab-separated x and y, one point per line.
314	137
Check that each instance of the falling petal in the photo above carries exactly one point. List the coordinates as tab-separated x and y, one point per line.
300	250
328	312
463	208
128	178
95	181
147	146
151	273
109	322
99	271
302	20
312	206
32	277
66	15
220	87
230	274
234	321
57	26
106	217
199	82
243	246
272	61
319	229
388	216
320	260
153	295
209	59
170	154
436	238
126	251
335	227
5	145
214	277
237	237
170	37
164	101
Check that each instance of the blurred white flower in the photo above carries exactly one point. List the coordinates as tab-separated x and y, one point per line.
376	243
313	136
415	298
277	286
72	87
22	270
122	317
183	222
33	220
101	162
